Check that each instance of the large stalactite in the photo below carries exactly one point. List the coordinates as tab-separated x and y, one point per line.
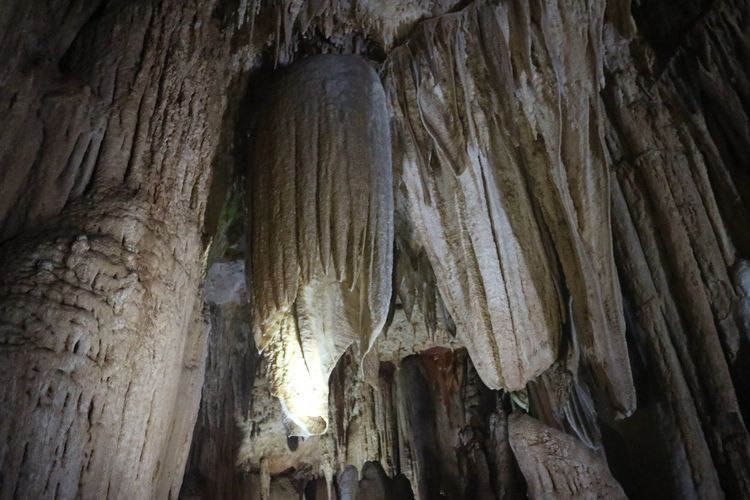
321	234
498	219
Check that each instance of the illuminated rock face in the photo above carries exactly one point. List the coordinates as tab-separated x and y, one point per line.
321	235
501	169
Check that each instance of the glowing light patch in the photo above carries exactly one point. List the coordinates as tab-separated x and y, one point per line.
299	383
305	398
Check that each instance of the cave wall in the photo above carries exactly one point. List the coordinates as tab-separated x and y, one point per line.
571	208
111	116
679	222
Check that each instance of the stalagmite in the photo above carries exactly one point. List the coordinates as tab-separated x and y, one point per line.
321	233
103	189
557	466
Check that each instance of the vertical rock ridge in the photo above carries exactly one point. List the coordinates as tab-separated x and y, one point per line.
677	213
556	465
111	117
521	132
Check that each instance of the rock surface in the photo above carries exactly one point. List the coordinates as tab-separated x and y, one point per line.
556	465
505	188
571	202
321	226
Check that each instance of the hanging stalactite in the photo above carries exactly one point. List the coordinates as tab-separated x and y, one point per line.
321	233
500	163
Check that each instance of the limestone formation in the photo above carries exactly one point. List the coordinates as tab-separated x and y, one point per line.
431	216
498	220
321	236
104	184
557	466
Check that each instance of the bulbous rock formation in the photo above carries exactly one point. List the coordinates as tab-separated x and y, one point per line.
558	466
321	232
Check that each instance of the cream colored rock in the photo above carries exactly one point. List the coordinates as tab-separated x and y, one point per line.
498	150
321	238
556	465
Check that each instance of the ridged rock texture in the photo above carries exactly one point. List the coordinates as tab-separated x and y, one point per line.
104	185
677	133
321	236
533	215
499	221
556	465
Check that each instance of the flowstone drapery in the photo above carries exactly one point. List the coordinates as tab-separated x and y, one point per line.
321	232
499	156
